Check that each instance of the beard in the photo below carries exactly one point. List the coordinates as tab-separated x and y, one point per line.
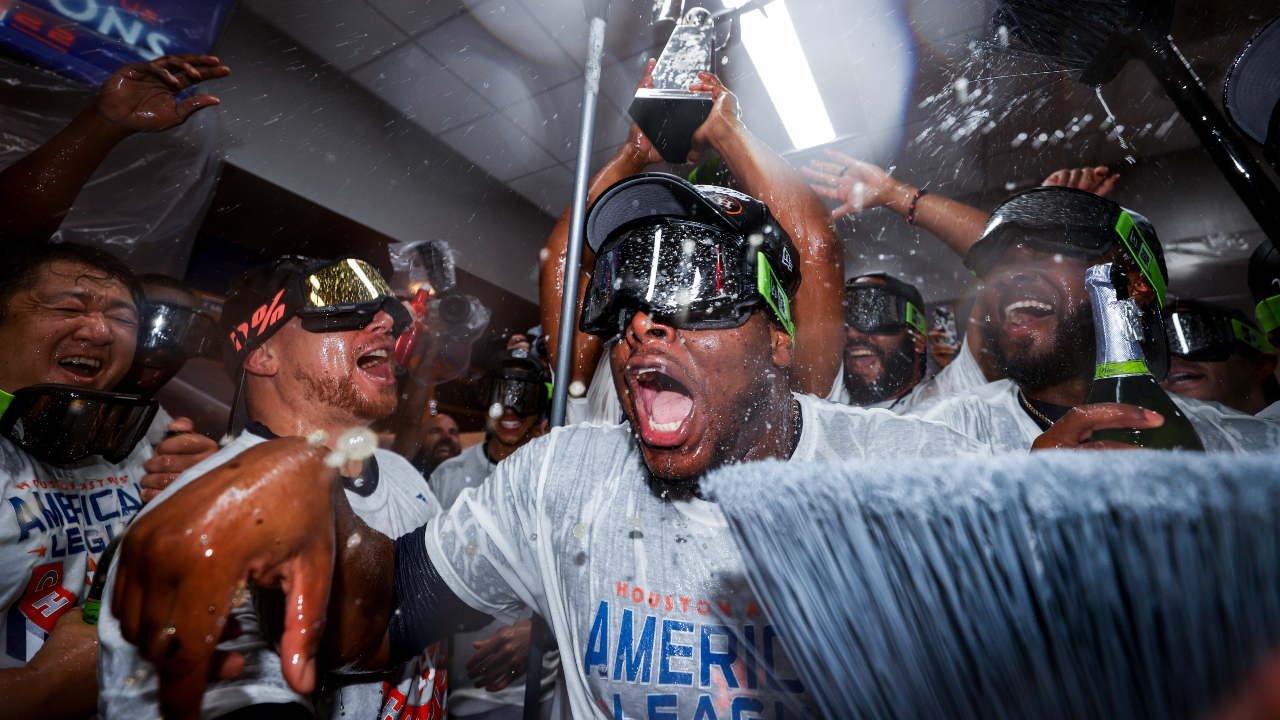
342	393
1070	358
896	371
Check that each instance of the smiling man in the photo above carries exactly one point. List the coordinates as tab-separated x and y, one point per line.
885	343
1033	258
68	316
1218	354
310	344
599	528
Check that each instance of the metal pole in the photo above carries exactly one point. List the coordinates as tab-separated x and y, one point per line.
573	258
596	12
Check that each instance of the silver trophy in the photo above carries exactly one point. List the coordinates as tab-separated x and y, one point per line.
668	113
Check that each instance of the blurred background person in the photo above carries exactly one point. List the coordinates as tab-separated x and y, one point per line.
440	442
885	351
1219	354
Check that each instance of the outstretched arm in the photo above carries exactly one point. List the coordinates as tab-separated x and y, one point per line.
765	175
634	156
37	191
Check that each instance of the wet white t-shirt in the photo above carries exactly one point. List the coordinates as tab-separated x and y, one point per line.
1270	412
127	684
54	524
469	470
646	595
993	415
600	405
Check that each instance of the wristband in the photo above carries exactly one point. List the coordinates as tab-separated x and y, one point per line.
911	209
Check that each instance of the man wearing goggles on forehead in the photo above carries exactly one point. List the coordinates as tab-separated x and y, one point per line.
495	657
71	458
1218	354
885	343
1032	258
691	290
309	343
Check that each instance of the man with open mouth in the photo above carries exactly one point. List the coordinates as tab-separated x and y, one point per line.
601	529
310	345
1032	258
1219	354
885	344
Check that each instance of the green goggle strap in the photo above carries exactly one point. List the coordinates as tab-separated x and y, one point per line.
5	399
1268	312
770	289
1251	337
1141	252
915	318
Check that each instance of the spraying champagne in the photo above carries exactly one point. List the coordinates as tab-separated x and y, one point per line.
1122	375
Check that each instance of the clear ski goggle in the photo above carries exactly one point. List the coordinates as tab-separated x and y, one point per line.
168	336
346	295
1202	336
522	397
685	274
61	424
874	310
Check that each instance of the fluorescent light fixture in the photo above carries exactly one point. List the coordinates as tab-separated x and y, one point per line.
774	47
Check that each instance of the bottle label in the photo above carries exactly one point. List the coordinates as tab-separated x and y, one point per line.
91	610
1118	369
1141	252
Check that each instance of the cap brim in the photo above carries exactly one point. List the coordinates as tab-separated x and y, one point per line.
1252	88
644	196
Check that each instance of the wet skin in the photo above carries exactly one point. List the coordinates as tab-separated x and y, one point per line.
76	326
440	438
699	399
865	354
509	432
1235	382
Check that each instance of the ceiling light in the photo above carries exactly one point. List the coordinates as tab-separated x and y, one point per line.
774	47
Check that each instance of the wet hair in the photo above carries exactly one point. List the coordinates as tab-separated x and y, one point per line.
167	282
22	271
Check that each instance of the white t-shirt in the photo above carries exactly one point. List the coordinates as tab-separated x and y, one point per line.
961	375
992	414
646	595
127	684
1270	412
159	427
469	470
600	405
54	524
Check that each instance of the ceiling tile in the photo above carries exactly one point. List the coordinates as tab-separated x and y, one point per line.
415	16
552	119
498	146
550	189
502	75
412	82
346	33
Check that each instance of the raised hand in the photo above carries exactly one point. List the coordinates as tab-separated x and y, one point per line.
142	97
1090	179
723	120
267	518
1077	426
857	185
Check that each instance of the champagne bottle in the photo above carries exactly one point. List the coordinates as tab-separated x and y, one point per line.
1122	375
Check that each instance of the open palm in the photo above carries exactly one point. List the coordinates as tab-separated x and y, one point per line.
142	97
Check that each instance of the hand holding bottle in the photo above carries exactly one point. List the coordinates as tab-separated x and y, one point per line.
1075	430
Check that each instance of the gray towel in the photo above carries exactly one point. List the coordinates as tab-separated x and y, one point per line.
1056	585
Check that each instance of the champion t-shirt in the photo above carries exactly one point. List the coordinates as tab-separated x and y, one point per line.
646	595
54	524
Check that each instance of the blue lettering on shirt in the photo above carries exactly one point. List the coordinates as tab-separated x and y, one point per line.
725	659
27	520
97	511
639	660
657	703
598	644
669	650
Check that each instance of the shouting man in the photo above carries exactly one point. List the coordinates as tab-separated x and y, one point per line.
885	343
310	344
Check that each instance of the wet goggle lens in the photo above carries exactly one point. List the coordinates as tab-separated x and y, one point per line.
61	424
1208	337
686	274
166	326
523	397
346	296
873	310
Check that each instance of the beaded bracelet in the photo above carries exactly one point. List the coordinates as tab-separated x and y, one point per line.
911	209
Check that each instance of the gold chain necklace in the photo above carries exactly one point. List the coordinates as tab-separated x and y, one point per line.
1031	409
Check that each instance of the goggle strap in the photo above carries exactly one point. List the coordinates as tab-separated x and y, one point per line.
1268	312
1251	337
1138	249
5	400
770	289
915	318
